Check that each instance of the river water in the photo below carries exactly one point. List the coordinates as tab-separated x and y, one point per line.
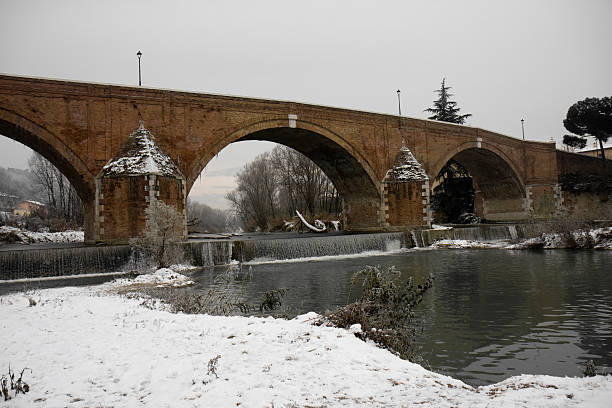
491	313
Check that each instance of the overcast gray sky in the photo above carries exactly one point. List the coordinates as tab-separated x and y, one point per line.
505	60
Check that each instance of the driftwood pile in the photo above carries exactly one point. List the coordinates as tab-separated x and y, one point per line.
300	224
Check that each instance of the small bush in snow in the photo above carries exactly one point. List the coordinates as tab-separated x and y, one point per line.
385	312
589	369
212	365
272	300
18	386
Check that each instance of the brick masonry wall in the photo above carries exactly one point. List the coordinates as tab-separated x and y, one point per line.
578	163
406	204
361	214
585	206
122	202
541	201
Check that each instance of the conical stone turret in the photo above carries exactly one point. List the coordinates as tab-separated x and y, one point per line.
138	173
405	167
406	193
140	155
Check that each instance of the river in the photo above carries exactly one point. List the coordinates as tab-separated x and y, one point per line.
491	313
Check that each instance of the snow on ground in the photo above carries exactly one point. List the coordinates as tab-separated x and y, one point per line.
160	278
440	227
30	237
88	347
183	267
599	238
464	243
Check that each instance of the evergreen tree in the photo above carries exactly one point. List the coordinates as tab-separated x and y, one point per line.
444	109
574	142
590	117
454	194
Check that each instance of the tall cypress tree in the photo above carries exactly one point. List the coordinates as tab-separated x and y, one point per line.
444	109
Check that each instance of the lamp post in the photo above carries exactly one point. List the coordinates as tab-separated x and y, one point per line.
523	127
399	118
139	54
399	104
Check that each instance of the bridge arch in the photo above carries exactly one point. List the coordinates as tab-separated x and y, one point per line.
47	144
500	189
486	163
349	171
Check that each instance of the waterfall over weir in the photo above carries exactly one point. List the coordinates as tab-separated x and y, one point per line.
481	233
219	252
210	253
53	262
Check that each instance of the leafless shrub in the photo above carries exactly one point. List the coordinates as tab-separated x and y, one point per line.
164	229
272	299
225	297
212	365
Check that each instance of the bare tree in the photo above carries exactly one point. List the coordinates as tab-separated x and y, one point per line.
278	183
203	218
164	229
303	185
59	195
255	198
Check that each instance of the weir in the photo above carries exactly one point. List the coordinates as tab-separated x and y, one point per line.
62	261
486	232
52	262
219	252
482	233
78	260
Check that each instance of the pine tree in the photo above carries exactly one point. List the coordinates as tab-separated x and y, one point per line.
451	197
444	109
590	117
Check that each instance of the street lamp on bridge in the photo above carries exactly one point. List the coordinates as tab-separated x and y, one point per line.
399	118
399	103
523	127
139	54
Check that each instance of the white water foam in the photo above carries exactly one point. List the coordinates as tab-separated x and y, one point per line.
365	254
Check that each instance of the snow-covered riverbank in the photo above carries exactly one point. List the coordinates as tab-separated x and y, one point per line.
599	238
91	347
12	234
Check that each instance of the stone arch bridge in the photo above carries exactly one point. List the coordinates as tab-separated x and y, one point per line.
80	126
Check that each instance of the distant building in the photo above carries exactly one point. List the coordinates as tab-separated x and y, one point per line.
8	202
596	152
27	207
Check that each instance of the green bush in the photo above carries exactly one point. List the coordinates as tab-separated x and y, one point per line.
385	311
